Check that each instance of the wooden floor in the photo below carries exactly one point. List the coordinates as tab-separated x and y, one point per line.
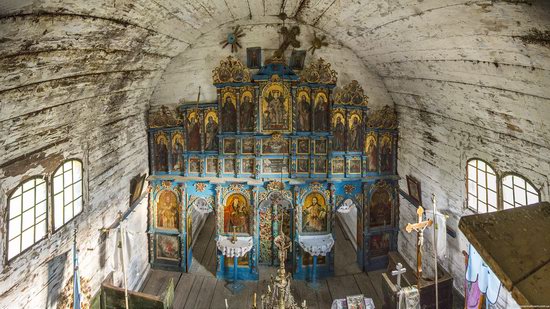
200	289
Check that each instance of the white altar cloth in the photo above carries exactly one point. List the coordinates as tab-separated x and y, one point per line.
316	244
341	303
237	249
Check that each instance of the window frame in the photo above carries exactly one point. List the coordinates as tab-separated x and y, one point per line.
527	181
497	186
7	259
54	229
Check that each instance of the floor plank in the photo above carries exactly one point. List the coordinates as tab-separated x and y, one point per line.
324	298
376	279
194	293
183	289
342	286
365	285
158	280
205	294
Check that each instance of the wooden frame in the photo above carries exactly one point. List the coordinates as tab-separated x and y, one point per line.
53	194
501	185
483	186
136	187
414	189
47	217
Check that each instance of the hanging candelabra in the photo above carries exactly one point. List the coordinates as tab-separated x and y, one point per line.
278	294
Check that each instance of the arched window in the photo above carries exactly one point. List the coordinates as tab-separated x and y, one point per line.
518	191
27	216
67	192
482	186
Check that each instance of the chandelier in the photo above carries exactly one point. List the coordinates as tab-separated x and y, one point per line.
278	294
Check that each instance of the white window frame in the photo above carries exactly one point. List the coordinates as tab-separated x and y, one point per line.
67	193
27	190
518	187
485	191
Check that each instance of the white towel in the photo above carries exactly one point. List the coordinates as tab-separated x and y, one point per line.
441	228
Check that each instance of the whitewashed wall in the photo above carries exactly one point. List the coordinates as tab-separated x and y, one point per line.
469	78
193	67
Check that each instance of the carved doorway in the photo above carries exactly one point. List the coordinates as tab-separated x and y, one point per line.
275	210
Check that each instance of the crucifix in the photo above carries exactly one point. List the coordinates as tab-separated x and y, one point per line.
419	228
289	38
399	269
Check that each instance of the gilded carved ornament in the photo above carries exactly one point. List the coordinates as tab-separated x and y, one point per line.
231	70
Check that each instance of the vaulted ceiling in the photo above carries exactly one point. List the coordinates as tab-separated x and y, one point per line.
103	57
469	78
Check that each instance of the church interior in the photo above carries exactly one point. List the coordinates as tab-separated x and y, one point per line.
274	154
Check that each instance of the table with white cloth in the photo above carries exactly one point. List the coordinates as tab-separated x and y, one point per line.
316	245
234	248
342	304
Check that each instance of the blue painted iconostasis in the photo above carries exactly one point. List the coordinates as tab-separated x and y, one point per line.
277	150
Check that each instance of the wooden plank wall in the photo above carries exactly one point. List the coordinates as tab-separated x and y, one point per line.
469	78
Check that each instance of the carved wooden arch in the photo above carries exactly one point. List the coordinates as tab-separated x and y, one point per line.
262	206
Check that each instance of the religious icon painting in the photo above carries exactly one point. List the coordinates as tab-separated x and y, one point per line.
236	214
194	165
379	244
229	166
241	261
211	131
307	259
303	121
136	187
355	132
320	146
303	146
355	166
248	145
229	146
302	165
211	165
386	153
274	146
229	111
275	166
380	206
254	57
338	132
167	211
193	132
355	302
320	166
177	151
371	150
314	213
161	151
248	165
276	113
297	59
246	112
414	189
168	247
320	112
338	166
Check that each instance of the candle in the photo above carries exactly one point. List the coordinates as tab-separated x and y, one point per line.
226	305
254	303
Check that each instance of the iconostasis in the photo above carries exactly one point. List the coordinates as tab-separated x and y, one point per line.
277	150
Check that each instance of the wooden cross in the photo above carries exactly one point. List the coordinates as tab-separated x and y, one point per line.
289	38
399	269
419	228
